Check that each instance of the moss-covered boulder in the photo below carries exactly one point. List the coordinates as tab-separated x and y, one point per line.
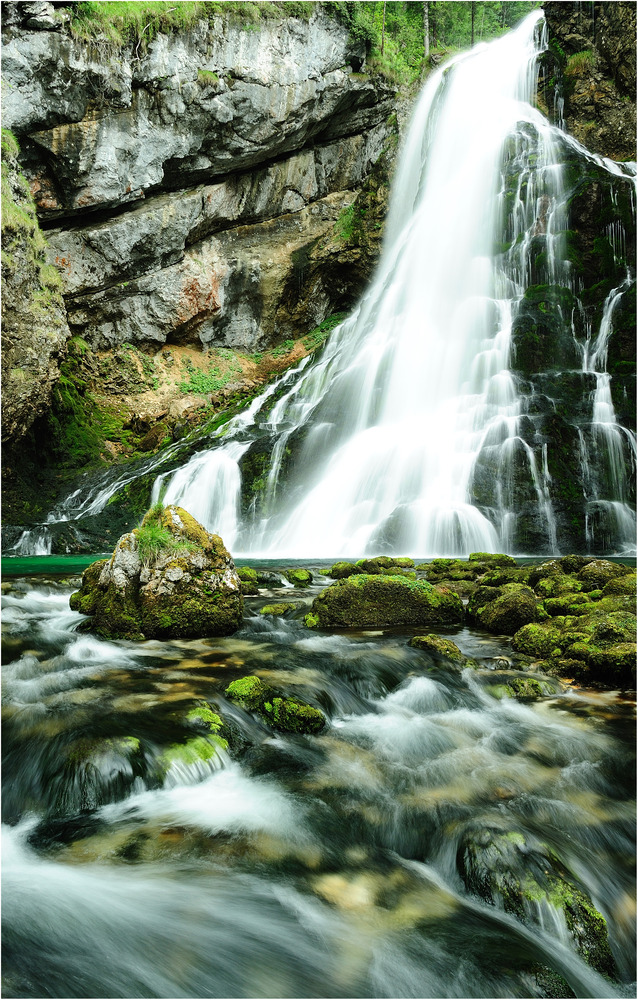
597	645
283	608
526	879
599	572
342	570
376	601
389	565
288	715
514	684
298	577
503	610
169	578
492	558
441	649
249	580
621	585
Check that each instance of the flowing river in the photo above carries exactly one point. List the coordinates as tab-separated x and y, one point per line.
334	865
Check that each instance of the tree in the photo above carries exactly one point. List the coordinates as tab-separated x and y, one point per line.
426	30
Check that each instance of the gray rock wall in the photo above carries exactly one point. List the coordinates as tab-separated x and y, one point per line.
179	182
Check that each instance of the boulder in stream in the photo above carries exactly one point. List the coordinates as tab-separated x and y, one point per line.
288	715
169	578
369	601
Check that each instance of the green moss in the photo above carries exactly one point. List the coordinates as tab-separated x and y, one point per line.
342	570
298	577
441	648
311	620
292	716
277	609
250	692
199	748
317	336
378	600
495	559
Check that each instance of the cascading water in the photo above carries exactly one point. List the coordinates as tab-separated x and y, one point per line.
382	442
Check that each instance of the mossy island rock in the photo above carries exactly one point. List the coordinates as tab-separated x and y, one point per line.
366	600
526	879
298	577
597	645
169	578
503	610
288	715
249	580
442	649
514	684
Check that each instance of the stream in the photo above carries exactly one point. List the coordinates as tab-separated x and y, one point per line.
290	865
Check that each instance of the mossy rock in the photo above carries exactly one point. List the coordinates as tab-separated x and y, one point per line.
278	609
545	571
525	877
492	558
342	570
169	578
287	715
249	580
513	606
441	649
569	604
554	586
298	577
501	575
197	750
620	585
504	684
537	639
597	573
249	692
377	601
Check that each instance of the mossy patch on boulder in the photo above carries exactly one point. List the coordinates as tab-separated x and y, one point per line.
597	573
342	570
441	649
288	715
249	580
368	600
170	578
282	608
492	558
503	610
298	577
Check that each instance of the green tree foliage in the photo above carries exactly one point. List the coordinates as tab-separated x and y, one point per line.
392	32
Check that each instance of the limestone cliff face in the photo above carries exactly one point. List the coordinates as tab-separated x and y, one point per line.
177	184
34	328
592	74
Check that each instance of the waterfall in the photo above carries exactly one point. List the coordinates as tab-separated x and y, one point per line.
422	424
380	443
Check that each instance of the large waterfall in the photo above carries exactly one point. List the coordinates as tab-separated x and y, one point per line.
378	443
467	404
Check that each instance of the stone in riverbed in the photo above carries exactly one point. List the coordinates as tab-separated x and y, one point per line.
442	649
366	600
169	578
503	610
288	715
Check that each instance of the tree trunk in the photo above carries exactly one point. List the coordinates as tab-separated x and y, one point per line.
426	30
383	29
473	7
434	39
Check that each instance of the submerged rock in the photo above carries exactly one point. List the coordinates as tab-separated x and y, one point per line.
524	878
169	578
277	609
369	600
298	577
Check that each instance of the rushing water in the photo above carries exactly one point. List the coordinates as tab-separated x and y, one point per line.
324	866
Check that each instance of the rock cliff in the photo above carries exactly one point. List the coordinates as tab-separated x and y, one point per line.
178	182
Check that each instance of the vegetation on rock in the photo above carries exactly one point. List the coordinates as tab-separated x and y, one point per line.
378	600
288	715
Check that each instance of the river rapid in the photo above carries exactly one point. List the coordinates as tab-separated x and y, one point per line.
297	866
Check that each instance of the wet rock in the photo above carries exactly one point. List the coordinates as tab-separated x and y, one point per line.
597	573
522	876
341	570
168	578
298	577
288	715
503	610
278	609
249	580
369	600
442	649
